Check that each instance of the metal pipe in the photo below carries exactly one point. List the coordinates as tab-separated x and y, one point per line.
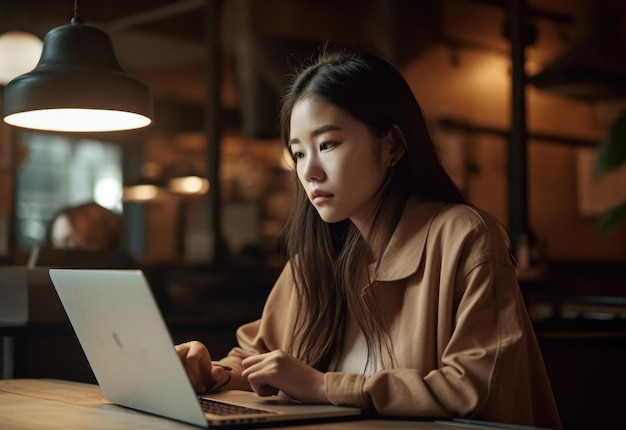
213	129
517	151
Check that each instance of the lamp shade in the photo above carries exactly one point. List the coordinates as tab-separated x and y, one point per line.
19	53
77	86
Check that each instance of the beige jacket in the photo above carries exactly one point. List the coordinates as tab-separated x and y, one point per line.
462	337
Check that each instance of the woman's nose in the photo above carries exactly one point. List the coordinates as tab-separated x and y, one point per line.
311	170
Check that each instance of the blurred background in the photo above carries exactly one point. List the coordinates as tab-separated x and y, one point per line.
518	104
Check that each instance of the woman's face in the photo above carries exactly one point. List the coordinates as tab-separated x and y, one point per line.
335	160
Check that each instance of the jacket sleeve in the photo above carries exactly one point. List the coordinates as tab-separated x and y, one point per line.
271	332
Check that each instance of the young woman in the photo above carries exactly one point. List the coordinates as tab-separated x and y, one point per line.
399	297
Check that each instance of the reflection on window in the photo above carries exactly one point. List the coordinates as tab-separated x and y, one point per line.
61	171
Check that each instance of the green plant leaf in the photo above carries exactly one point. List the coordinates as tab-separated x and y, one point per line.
612	219
612	151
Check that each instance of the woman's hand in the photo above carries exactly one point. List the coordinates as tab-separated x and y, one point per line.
268	373
197	362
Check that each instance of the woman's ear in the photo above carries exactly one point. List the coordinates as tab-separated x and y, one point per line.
394	145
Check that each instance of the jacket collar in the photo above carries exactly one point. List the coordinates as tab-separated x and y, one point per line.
404	252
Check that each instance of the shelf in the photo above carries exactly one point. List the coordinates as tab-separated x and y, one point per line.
469	128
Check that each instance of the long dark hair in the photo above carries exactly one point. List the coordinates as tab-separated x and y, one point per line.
330	261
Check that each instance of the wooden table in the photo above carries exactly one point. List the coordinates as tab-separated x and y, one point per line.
27	404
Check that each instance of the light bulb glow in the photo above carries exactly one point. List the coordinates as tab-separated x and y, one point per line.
141	193
189	185
20	52
78	120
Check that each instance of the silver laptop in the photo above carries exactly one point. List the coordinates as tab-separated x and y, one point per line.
131	353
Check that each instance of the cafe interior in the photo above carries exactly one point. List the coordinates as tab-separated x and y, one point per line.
525	100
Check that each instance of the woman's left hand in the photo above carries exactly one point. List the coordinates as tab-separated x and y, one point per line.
268	373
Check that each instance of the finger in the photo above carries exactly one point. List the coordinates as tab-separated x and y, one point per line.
253	359
262	380
261	384
253	366
266	390
197	362
182	350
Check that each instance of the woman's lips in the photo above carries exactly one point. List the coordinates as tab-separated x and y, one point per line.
319	197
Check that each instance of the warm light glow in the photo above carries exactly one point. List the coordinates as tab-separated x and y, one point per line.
107	192
286	160
189	185
141	193
19	54
77	120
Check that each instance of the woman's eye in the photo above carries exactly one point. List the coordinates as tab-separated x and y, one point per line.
325	146
297	155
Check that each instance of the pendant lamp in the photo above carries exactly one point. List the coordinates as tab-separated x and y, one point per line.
77	86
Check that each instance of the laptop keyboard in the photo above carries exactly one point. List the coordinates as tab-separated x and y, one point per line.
221	408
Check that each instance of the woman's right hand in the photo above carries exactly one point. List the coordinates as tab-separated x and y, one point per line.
197	362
